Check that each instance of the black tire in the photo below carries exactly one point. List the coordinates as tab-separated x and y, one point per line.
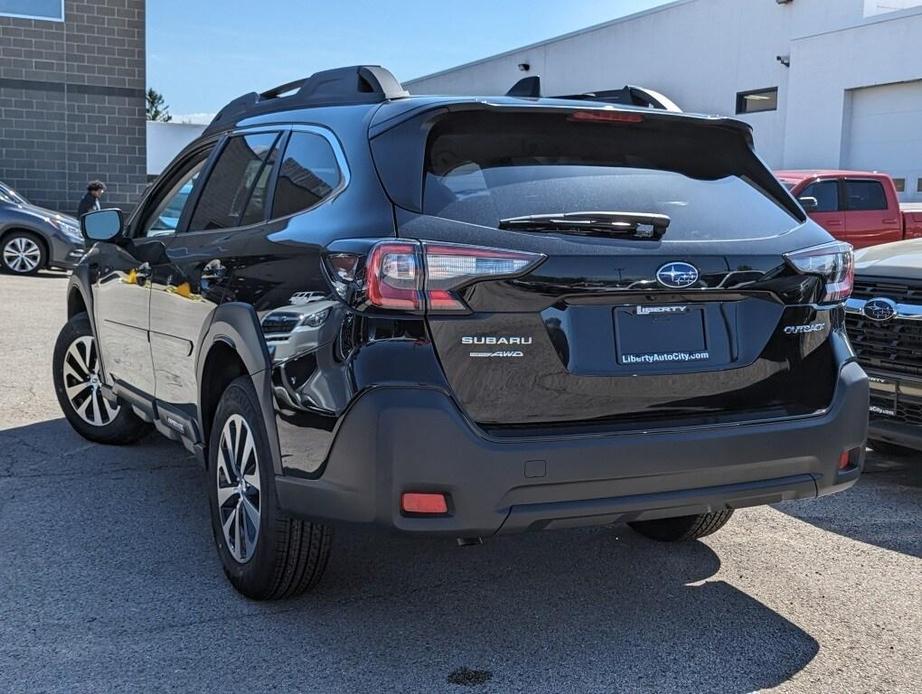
116	426
682	528
288	556
33	241
891	450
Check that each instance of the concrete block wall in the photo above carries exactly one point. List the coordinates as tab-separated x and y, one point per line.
72	104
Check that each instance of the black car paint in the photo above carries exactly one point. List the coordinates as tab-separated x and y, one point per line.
233	279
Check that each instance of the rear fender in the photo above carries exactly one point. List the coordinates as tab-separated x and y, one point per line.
237	326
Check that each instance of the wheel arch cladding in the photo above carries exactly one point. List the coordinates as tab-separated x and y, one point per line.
232	346
76	303
221	367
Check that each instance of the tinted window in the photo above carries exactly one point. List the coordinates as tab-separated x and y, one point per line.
826	194
866	195
165	217
235	192
308	174
481	168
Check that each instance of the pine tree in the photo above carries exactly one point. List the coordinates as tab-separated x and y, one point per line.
156	107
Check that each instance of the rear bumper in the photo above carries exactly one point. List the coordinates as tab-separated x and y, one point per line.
395	440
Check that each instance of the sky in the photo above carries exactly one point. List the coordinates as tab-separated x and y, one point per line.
200	55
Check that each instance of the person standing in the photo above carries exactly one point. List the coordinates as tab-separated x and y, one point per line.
90	201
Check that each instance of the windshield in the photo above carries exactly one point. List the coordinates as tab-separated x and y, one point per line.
484	167
10	196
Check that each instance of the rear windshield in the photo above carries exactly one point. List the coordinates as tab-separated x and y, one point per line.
482	167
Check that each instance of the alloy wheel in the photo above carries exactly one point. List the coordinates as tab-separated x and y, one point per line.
239	498
82	383
22	254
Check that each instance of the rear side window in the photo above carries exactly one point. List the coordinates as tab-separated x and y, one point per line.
866	195
308	174
826	194
235	192
484	167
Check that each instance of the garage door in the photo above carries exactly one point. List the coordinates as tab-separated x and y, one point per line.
884	133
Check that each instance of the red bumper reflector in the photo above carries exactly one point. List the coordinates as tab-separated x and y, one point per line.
424	502
844	460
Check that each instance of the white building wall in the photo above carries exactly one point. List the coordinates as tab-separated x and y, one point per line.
825	67
700	53
165	141
873	7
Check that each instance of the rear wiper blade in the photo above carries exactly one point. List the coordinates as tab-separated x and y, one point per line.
638	225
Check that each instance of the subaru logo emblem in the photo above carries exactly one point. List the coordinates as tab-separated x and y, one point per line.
677	275
879	309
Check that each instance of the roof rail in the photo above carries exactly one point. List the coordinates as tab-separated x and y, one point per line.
358	84
629	95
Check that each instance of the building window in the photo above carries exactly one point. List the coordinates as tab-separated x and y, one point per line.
900	185
919	185
757	100
33	9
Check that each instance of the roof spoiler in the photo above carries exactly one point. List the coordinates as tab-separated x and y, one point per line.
530	87
358	84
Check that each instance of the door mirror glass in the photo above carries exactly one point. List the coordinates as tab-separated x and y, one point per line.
809	203
102	225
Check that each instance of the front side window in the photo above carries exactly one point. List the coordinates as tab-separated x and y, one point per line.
826	194
308	174
865	195
166	215
235	192
33	9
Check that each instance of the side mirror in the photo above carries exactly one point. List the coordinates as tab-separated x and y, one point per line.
809	203
102	225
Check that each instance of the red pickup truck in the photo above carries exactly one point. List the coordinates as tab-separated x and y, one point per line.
860	207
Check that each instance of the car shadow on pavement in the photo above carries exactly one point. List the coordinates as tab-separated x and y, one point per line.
109	580
882	509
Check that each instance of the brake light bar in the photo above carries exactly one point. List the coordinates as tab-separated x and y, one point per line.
605	117
414	276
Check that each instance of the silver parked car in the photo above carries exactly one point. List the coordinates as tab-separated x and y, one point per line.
32	238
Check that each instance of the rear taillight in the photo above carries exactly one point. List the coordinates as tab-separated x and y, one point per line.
393	276
449	267
414	276
834	261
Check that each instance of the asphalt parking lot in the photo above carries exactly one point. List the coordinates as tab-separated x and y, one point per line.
108	581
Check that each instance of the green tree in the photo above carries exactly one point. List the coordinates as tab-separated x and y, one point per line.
157	108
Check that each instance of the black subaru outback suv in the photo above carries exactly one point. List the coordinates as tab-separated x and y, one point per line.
465	316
